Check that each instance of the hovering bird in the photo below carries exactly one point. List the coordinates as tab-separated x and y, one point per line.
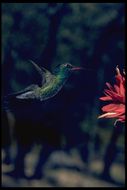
51	83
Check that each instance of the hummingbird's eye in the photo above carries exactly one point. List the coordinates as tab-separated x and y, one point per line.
68	65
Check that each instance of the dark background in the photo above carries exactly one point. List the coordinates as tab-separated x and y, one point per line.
90	35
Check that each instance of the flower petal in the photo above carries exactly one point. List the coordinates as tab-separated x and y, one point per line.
104	98
116	94
107	115
117	108
110	107
109	86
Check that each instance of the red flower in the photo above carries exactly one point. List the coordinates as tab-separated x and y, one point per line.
116	95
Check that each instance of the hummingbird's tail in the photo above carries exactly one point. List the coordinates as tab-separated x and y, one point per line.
9	101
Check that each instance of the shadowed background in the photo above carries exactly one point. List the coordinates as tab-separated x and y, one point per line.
90	35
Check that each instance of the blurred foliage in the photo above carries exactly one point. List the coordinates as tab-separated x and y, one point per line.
86	34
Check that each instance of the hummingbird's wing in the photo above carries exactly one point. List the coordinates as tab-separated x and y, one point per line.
46	75
27	89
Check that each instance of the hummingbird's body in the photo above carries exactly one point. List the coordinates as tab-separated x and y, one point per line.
51	84
52	89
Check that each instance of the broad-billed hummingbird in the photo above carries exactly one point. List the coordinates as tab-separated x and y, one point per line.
51	83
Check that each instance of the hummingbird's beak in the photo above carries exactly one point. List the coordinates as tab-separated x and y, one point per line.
76	68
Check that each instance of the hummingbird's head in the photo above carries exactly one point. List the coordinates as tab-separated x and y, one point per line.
68	68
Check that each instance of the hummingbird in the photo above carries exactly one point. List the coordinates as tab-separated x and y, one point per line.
51	83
